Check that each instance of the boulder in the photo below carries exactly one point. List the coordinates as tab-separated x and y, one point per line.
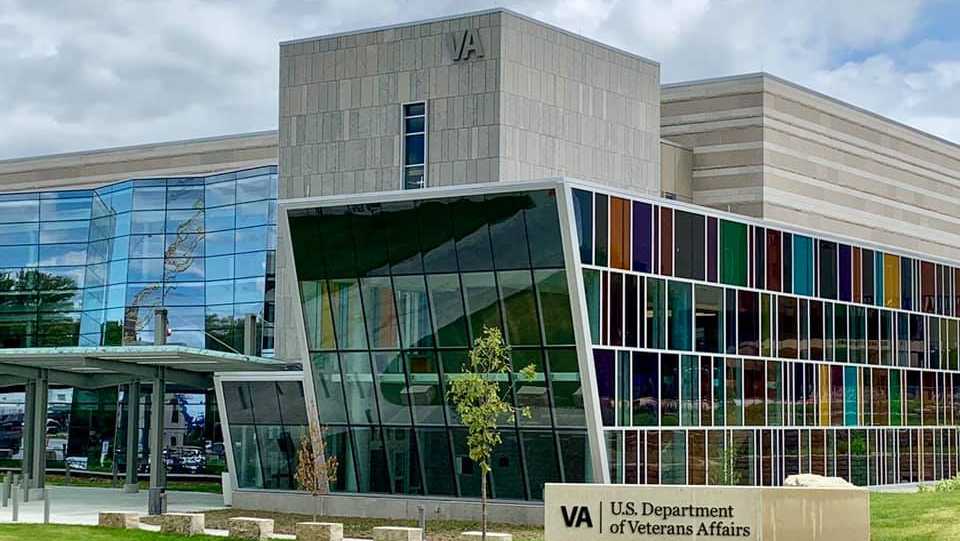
319	531
255	529
182	523
391	533
816	481
127	521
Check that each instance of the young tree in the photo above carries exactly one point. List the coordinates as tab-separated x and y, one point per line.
315	470
481	402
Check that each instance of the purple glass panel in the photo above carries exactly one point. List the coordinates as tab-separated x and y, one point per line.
603	359
846	278
642	237
711	249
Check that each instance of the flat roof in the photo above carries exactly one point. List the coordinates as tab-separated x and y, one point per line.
93	367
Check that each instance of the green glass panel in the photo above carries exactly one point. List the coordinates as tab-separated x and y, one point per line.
347	313
480	295
438	470
359	389
733	253
850	395
543	229
656	313
446	305
673	457
381	313
591	286
452	362
802	265
680	304
328	387
542	461
520	307
774	393
413	310
623	388
507	230
424	392
896	417
531	394
733	392
719	386
437	236
554	299
565	386
371	463
393	392
404	456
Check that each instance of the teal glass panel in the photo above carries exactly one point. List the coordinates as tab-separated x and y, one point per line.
591	286
623	405
413	311
656	316
338	446
850	390
452	362
583	215
446	307
802	265
689	390
554	297
719	388
520	307
680	306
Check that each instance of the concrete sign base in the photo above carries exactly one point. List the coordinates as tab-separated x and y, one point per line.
580	512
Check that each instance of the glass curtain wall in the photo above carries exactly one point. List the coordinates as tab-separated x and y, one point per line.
780	352
393	295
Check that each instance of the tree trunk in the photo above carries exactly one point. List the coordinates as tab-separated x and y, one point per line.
483	506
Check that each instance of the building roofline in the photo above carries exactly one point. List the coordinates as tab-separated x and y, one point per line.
471	14
763	76
141	146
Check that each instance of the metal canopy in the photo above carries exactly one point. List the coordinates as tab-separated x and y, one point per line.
94	367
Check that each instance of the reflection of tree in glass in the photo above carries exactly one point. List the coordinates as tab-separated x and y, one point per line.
18	293
177	258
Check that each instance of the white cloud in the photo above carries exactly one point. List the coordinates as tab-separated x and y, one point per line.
86	73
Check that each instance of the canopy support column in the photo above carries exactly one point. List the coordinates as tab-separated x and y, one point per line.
132	485
26	463
157	466
38	469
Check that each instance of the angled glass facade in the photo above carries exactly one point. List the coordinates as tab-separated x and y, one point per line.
89	267
393	295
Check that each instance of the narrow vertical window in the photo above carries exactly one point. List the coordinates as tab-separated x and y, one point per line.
414	145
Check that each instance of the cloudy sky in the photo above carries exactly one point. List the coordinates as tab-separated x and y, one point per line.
81	74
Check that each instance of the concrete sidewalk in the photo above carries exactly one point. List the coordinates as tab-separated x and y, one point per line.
80	505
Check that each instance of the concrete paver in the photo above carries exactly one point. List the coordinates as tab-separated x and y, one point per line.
80	505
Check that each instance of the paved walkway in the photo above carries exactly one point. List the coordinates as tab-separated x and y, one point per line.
80	505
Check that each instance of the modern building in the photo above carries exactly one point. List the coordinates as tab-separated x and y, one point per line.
718	282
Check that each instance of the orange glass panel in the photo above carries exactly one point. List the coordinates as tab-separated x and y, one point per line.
891	281
616	233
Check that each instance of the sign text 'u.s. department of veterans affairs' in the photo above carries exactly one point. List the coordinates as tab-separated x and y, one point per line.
582	512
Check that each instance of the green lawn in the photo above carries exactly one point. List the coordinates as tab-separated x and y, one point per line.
19	532
211	487
914	516
931	516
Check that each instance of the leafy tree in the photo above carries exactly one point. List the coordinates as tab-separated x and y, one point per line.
482	402
315	470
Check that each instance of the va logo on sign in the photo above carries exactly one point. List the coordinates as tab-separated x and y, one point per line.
464	43
575	516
